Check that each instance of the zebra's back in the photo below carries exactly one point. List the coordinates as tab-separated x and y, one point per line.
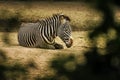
27	34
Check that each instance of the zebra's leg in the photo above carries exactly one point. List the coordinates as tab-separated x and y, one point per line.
44	45
55	46
58	46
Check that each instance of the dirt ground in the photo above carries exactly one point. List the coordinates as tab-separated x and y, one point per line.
42	57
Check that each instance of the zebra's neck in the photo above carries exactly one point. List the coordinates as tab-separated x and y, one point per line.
49	28
53	23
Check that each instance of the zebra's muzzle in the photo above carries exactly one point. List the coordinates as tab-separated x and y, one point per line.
70	43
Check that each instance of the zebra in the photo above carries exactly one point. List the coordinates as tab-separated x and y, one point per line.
42	33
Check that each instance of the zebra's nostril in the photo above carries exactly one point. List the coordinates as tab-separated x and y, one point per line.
68	46
70	43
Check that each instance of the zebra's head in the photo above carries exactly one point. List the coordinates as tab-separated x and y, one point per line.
64	30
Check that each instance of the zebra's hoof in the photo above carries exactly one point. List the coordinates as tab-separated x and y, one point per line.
58	46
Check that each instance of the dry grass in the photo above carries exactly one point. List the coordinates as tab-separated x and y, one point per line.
42	57
81	14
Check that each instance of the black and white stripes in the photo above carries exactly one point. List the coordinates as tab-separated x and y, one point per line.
44	31
48	28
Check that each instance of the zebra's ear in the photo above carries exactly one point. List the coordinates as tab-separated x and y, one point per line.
63	20
65	17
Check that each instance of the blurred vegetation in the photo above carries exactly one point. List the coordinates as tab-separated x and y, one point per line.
95	67
100	63
15	70
8	23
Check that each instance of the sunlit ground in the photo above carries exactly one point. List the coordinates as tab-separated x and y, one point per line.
41	57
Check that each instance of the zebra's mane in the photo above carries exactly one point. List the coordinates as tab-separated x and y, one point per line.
62	15
66	17
50	17
55	16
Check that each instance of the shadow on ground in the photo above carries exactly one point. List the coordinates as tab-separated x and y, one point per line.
15	70
99	64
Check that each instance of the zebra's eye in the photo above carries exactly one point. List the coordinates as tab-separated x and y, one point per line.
66	30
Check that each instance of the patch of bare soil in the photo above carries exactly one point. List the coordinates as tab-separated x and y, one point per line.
41	58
